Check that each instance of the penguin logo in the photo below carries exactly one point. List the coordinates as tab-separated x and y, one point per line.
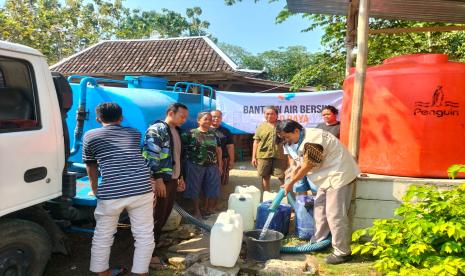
438	97
438	107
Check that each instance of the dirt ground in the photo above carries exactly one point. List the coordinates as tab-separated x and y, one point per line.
77	263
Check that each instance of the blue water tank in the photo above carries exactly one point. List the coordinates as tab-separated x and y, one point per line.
146	82
141	107
281	218
304	221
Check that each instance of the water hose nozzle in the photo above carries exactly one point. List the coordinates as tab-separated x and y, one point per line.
277	200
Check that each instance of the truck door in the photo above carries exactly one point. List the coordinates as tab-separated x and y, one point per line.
31	151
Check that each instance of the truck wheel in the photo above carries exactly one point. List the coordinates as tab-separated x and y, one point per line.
25	248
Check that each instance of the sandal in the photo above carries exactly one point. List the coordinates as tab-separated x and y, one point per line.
156	263
207	216
207	213
163	243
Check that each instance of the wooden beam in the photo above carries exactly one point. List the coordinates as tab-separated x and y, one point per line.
224	87
417	30
360	74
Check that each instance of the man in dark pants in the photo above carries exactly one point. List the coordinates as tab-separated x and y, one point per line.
162	153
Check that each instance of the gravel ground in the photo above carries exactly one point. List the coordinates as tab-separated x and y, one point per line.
77	263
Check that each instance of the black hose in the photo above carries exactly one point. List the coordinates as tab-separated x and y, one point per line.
191	219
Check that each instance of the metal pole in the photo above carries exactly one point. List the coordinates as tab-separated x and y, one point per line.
360	73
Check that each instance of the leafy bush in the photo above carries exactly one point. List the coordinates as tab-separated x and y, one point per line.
453	170
427	239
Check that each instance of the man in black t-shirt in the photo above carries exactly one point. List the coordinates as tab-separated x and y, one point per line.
227	147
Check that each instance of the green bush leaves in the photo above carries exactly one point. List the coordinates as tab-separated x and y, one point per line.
428	238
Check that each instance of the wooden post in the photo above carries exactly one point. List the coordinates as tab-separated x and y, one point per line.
351	33
360	73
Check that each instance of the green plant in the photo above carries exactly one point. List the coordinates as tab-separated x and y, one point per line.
428	238
453	170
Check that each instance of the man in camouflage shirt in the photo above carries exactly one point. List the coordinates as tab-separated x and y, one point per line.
162	153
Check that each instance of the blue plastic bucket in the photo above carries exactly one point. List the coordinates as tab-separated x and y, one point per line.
281	218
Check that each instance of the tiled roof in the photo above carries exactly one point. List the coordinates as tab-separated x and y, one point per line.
152	56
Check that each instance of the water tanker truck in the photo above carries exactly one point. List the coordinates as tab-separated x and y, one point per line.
43	116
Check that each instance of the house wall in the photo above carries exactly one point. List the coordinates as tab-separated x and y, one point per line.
377	196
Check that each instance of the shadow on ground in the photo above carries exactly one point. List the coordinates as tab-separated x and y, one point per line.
77	263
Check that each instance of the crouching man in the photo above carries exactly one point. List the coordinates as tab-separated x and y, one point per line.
326	163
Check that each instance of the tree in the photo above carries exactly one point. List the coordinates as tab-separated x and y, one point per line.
55	29
146	24
232	2
242	57
21	19
321	73
167	23
383	45
196	25
285	64
61	28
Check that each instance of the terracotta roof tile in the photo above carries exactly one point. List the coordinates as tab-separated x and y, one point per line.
177	55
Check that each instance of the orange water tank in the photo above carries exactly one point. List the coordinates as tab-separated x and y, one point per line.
413	120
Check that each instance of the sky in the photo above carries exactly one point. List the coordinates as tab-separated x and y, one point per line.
246	24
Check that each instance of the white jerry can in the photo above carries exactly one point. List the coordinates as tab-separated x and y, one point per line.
243	205
271	196
226	239
173	221
254	192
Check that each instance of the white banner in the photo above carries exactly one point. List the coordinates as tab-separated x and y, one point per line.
243	112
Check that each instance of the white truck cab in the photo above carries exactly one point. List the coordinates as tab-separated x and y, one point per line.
32	159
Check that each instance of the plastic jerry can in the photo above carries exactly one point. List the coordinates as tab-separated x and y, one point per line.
254	192
226	239
271	196
304	222
281	218
243	204
173	221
